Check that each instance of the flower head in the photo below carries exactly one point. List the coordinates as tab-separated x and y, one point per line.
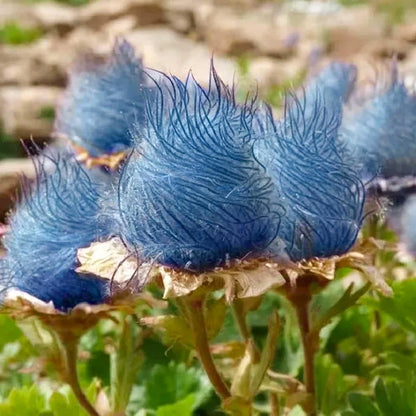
382	132
333	84
192	195
103	102
56	216
315	179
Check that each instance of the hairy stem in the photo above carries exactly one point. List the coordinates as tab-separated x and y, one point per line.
300	298
70	352
197	321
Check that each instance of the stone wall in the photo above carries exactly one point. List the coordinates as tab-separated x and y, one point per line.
275	40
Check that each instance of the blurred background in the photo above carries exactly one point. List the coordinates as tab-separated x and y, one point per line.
270	45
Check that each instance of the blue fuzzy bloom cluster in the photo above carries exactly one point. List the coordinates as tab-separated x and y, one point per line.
56	216
314	177
192	195
213	180
382	132
208	181
103	102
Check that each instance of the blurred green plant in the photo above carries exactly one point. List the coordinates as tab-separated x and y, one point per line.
143	363
395	11
276	94
352	2
368	357
13	33
9	146
47	113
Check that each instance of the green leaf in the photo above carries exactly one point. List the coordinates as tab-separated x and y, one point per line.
362	404
172	383
216	310
297	411
8	330
64	402
267	354
183	407
172	328
383	399
329	373
23	402
347	299
61	406
289	355
401	306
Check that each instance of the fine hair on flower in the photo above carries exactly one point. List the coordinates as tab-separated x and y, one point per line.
103	100
192	195
381	130
56	216
314	176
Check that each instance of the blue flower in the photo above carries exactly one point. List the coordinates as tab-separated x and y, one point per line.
192	195
315	179
333	84
103	102
382	132
56	216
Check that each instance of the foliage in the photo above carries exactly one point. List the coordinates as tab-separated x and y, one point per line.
9	146
14	34
367	357
394	11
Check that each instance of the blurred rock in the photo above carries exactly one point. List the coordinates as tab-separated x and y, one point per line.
341	40
387	49
179	14
120	26
11	170
229	31
407	32
168	51
99	12
270	72
16	11
55	16
28	111
41	63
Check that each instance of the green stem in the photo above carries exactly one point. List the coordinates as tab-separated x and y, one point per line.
70	353
198	325
240	318
241	321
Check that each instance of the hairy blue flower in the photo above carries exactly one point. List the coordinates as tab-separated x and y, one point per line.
192	195
382	132
56	216
103	101
314	178
333	84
